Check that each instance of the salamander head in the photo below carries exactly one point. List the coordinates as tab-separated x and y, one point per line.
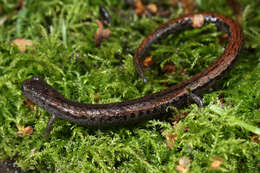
35	84
34	88
38	91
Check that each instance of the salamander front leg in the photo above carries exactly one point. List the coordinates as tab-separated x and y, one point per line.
49	126
195	98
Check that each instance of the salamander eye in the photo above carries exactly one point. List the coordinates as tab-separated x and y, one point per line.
36	78
132	115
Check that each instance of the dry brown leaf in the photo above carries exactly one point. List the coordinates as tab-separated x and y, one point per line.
184	165
216	163
140	8
24	130
153	8
169	67
22	44
106	34
101	34
170	140
28	130
255	138
148	61
29	104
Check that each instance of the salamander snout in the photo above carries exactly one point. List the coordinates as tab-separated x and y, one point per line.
33	84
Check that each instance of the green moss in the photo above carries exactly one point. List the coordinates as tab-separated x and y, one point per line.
65	55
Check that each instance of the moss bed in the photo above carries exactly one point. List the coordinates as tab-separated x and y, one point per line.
223	136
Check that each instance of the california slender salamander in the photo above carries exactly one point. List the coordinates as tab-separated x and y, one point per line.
147	107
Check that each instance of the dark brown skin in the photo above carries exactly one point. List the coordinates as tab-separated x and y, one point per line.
151	106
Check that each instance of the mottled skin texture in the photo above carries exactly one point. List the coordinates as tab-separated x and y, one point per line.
148	107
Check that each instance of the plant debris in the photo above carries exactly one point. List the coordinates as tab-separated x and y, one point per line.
184	165
170	140
22	44
29	104
24	130
148	61
169	67
101	34
216	163
149	9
